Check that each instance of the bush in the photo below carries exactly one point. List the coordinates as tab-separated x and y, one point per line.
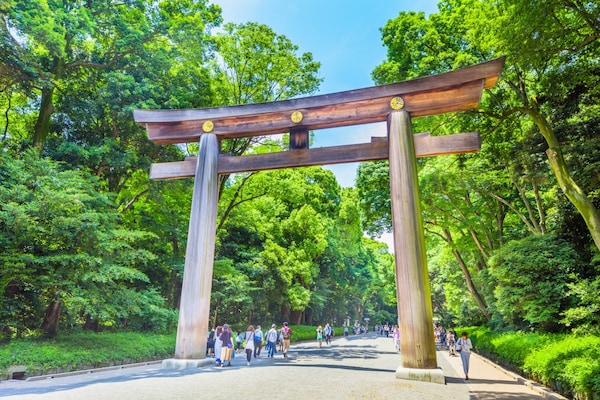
82	351
568	364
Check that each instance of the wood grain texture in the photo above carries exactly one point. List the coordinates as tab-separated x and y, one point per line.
412	279
458	90
425	146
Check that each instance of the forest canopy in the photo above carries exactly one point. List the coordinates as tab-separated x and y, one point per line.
88	241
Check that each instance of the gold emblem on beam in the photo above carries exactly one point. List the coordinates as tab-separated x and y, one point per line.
397	103
297	117
208	126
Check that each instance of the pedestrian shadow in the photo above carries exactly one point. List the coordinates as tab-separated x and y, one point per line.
340	353
488	395
335	366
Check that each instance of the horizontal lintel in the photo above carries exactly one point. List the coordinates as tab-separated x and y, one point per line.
458	90
425	146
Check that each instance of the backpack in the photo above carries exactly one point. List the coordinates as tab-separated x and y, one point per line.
285	333
257	338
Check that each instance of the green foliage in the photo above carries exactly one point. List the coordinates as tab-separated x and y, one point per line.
566	363
84	350
585	314
62	248
571	365
257	65
532	275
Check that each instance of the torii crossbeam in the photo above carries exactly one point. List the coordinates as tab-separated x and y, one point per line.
397	103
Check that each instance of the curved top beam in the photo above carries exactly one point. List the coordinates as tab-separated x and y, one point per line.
457	90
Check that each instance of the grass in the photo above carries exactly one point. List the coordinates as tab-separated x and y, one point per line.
72	352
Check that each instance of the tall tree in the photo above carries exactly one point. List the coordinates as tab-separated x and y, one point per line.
63	256
53	46
468	31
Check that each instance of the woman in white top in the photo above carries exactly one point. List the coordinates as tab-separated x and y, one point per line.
464	346
249	347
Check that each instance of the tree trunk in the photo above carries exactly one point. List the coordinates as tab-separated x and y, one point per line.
296	318
42	124
90	324
50	323
470	285
574	193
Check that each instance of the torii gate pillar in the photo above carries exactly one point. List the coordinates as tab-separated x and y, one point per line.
417	342
192	328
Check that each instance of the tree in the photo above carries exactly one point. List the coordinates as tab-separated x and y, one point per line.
256	65
53	46
63	256
532	276
466	32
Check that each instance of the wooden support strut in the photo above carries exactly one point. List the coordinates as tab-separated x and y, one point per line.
425	146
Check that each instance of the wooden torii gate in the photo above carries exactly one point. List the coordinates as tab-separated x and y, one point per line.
397	103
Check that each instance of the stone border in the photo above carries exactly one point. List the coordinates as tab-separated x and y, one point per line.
536	387
91	371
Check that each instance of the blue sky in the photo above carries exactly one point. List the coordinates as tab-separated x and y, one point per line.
344	36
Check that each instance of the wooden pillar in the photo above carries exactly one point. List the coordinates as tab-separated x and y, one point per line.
298	138
417	342
192	329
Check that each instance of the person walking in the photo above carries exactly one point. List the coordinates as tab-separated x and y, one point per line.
451	342
286	335
218	345
320	336
271	339
464	346
396	336
249	346
239	338
227	340
258	341
328	333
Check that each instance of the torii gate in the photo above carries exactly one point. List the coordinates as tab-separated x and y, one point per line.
454	91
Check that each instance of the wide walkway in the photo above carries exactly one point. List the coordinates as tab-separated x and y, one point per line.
358	367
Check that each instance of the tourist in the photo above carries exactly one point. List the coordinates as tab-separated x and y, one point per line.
286	336
210	343
464	346
227	340
239	339
320	336
451	342
218	345
258	341
328	333
396	336
271	339
249	346
346	330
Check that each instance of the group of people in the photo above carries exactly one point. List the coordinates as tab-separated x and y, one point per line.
222	343
383	329
461	346
326	334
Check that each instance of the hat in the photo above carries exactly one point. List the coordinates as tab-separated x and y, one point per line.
285	324
274	326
